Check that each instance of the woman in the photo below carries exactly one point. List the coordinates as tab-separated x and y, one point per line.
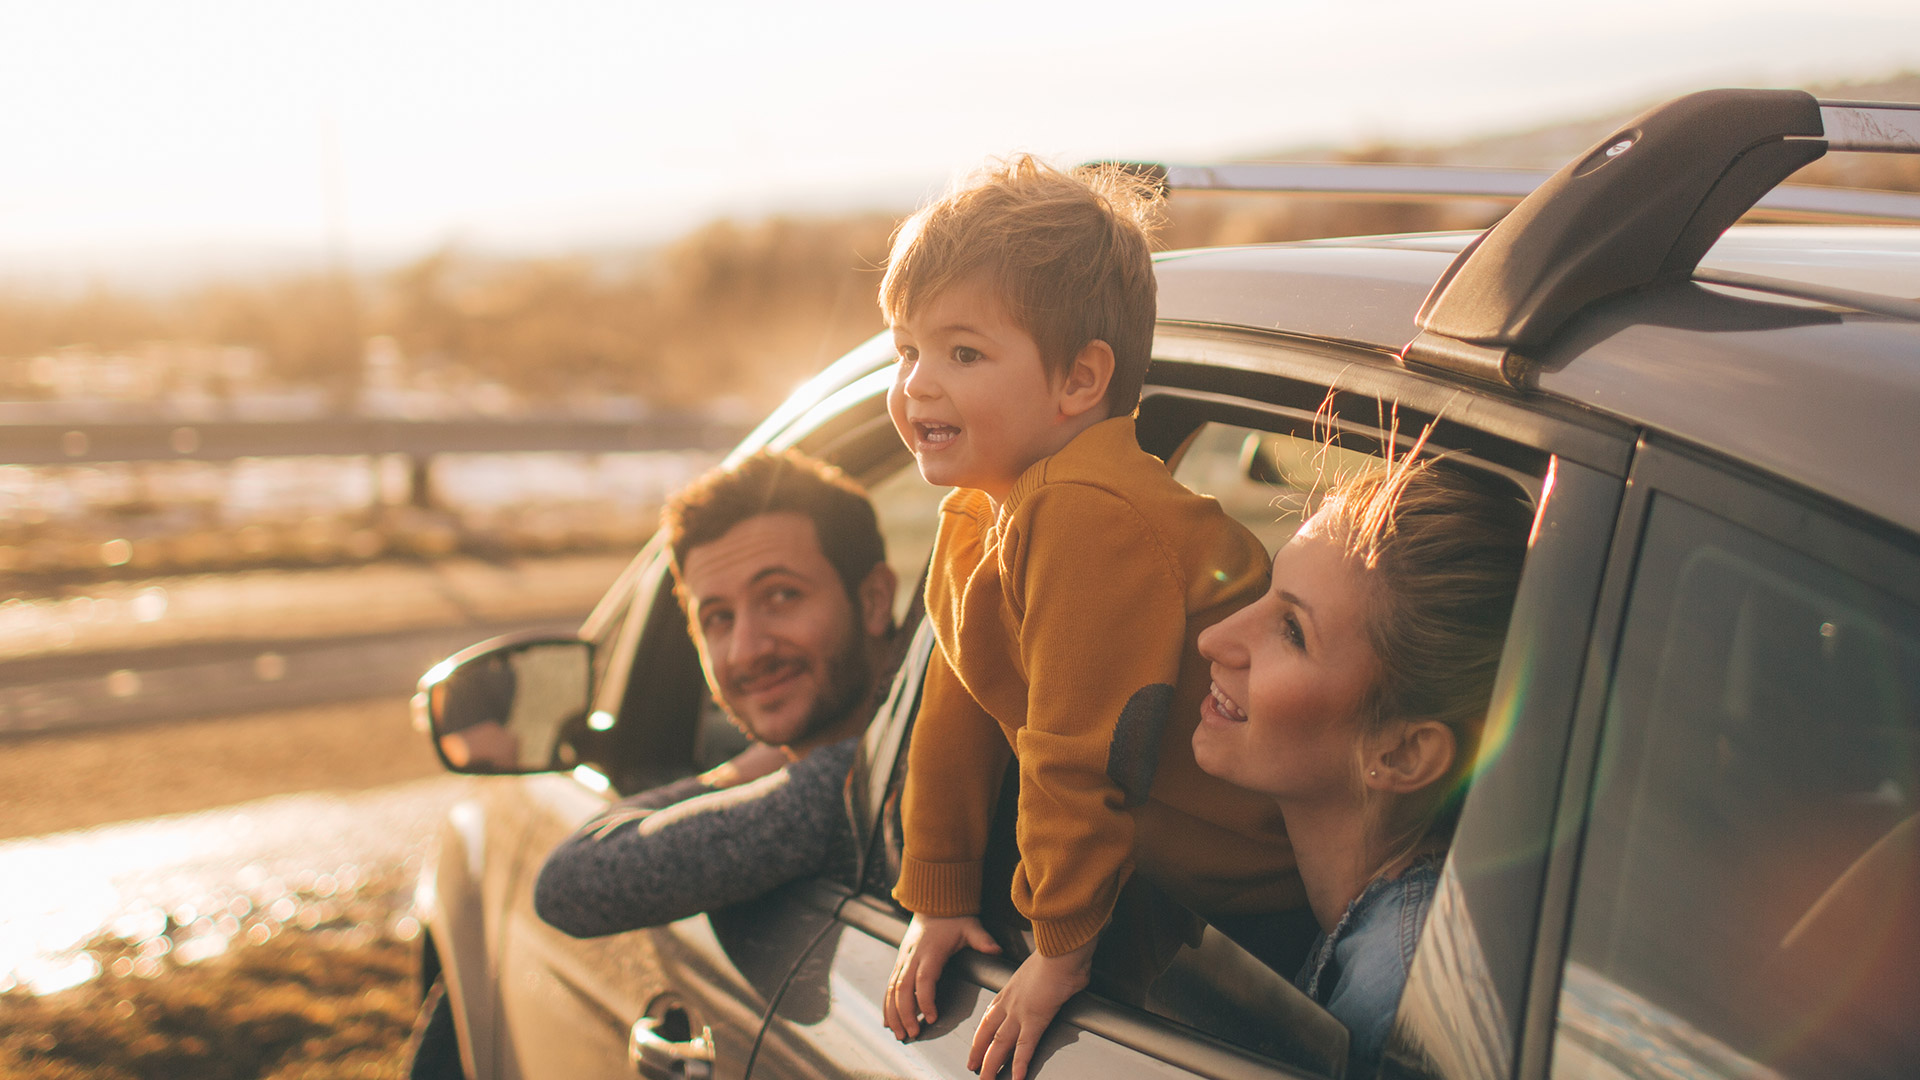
1353	692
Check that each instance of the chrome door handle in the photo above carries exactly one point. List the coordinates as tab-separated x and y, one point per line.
657	1057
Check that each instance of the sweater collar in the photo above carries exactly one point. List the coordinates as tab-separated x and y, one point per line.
1104	441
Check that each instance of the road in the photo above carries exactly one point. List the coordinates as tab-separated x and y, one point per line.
188	746
210	645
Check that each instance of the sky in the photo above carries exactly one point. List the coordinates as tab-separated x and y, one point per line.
188	132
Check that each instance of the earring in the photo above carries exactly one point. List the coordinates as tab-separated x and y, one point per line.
1373	772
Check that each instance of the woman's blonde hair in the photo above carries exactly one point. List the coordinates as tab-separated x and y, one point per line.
1441	547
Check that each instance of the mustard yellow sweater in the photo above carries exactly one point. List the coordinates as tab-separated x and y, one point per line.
1066	627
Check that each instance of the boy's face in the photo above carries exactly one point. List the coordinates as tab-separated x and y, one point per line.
970	395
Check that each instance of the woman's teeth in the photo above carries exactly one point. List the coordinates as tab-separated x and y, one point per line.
1226	704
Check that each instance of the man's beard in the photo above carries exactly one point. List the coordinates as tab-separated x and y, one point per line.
849	678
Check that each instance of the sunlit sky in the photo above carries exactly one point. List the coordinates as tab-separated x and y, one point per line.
139	131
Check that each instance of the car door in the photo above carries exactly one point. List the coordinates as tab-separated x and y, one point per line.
1243	422
569	1006
1746	899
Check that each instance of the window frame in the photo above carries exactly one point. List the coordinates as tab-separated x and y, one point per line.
1278	384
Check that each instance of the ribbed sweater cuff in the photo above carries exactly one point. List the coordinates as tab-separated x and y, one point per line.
1057	937
939	889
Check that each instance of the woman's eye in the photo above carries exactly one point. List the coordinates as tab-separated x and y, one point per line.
1294	634
964	355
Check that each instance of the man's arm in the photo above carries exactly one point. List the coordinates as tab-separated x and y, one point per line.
646	869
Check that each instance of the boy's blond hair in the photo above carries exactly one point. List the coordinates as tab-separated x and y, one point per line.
1067	252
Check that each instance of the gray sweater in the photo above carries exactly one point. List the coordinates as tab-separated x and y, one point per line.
685	848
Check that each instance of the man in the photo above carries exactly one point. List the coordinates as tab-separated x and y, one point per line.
779	564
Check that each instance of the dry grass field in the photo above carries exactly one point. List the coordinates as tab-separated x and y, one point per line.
303	1005
323	988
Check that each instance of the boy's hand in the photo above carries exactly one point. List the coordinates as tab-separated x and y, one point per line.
1020	1014
924	952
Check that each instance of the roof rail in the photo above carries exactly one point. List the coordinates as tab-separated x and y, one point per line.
1642	206
1393	182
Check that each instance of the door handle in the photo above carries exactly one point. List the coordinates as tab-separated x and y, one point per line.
657	1057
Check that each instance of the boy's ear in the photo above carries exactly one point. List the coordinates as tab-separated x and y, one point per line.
1412	757
1084	387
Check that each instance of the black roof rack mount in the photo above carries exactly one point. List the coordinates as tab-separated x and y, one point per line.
1642	206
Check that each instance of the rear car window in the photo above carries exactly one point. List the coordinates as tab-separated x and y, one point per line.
1749	897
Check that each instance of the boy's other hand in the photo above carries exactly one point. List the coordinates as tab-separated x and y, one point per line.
924	952
1019	1015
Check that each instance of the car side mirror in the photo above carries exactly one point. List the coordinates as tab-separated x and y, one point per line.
508	706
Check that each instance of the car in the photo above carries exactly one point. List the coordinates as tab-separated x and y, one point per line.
1691	845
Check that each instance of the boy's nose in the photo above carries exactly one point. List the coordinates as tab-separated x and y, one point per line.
919	383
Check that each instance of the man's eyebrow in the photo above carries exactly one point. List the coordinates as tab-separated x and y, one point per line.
775	570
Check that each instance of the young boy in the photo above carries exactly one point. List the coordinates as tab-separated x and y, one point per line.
1070	579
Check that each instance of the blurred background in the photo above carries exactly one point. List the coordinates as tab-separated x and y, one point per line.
335	337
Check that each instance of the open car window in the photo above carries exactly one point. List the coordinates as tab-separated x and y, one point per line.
1232	981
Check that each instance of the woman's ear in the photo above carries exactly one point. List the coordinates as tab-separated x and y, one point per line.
1410	755
1084	387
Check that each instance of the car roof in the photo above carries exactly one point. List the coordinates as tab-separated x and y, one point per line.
1817	393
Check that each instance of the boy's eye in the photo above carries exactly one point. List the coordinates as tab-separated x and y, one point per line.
906	355
964	355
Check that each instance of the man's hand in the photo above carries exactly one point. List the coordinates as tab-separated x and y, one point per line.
924	952
1019	1015
756	761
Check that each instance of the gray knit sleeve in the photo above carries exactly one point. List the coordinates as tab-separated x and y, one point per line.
631	868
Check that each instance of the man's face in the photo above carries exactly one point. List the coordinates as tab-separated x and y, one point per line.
781	643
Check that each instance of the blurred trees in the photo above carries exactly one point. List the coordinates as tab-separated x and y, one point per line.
730	310
734	311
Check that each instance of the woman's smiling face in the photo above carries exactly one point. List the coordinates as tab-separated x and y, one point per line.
1290	674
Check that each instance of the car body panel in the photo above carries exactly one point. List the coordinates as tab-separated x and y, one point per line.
1674	359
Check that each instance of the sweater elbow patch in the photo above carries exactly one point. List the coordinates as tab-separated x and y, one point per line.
1133	756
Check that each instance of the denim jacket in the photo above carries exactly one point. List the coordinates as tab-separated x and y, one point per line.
1358	971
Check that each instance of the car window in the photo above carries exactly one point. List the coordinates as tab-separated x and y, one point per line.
1264	479
1232	980
909	512
1748	901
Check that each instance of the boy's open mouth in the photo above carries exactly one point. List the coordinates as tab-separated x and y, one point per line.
935	434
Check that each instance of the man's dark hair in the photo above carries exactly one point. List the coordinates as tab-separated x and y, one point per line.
779	482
